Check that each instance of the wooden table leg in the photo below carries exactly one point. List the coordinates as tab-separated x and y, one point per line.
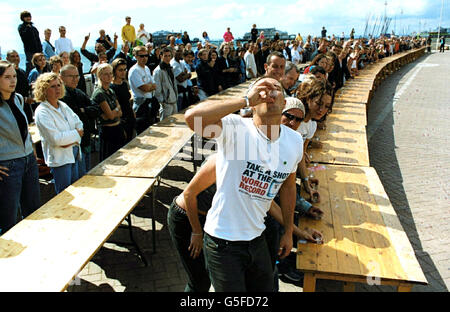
309	282
404	288
153	207
349	287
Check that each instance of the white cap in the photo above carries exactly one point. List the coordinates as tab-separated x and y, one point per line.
292	102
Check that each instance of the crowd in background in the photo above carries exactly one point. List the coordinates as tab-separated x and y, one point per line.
140	84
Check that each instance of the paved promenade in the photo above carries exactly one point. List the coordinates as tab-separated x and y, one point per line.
408	134
408	130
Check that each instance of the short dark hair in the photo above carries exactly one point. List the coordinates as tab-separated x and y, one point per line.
167	49
188	52
116	63
275	53
24	14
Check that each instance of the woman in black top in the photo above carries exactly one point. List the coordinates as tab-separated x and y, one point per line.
112	135
154	59
227	67
120	88
75	60
207	73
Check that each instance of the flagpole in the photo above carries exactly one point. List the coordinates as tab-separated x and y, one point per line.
439	29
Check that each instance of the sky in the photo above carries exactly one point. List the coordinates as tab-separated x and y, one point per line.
81	17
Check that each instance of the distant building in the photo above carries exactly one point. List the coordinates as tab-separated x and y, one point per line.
443	32
160	37
269	33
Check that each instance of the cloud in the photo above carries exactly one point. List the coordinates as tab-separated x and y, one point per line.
307	17
235	11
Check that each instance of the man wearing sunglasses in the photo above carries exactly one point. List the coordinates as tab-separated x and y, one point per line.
142	87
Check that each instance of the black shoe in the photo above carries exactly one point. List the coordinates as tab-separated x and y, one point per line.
294	276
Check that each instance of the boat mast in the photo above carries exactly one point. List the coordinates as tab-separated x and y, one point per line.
439	29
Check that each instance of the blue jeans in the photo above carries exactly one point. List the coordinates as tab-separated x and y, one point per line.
18	190
85	164
67	174
242	266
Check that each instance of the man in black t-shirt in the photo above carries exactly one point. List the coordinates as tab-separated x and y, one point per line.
324	32
81	105
105	40
30	38
254	33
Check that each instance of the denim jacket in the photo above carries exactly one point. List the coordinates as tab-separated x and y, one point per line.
11	144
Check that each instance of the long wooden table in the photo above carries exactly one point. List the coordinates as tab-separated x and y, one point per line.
148	154
363	239
45	251
344	141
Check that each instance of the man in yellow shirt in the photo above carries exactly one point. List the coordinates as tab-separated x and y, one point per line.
128	32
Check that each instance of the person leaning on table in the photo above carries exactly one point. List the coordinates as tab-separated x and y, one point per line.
19	177
60	129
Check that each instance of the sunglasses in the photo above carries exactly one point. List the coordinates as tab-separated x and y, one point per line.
142	55
292	117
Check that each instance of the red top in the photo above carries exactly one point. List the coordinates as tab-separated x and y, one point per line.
228	36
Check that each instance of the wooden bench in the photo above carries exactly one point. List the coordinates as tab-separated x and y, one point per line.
45	251
364	241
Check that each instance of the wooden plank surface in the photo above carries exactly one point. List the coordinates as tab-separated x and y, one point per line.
363	237
45	251
147	154
344	141
354	97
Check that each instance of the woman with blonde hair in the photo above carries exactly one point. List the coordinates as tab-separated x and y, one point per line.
111	132
310	93
65	58
60	129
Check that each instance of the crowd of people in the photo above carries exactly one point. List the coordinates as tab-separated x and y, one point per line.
233	225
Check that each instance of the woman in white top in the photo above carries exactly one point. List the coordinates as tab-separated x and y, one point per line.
143	35
60	129
295	52
352	61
